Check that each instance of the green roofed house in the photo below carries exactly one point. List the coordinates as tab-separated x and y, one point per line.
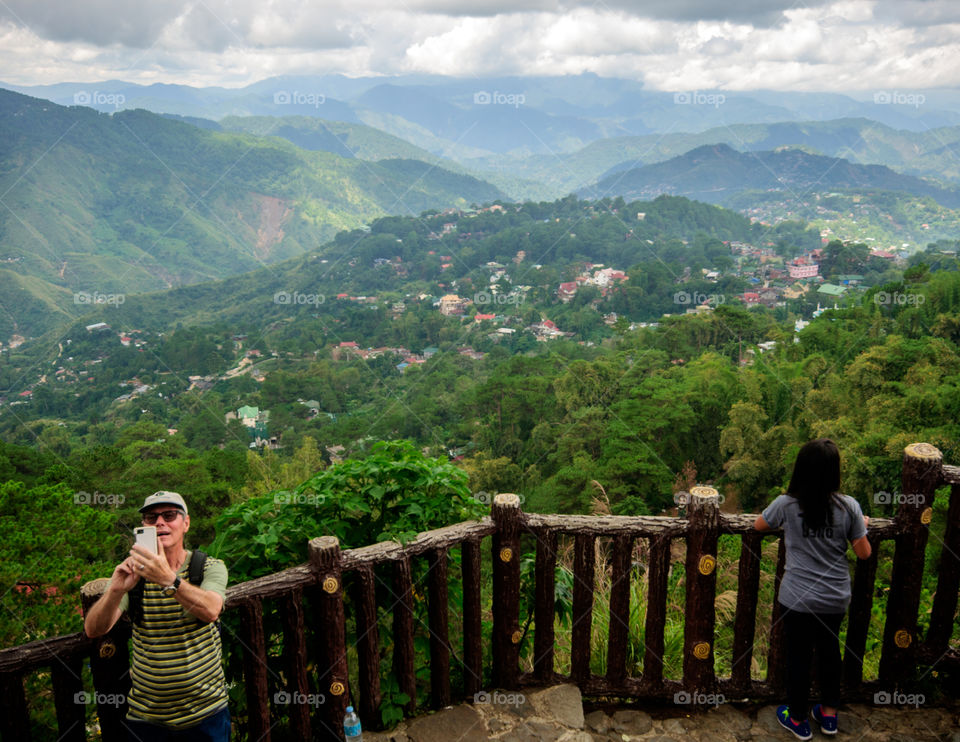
831	289
248	415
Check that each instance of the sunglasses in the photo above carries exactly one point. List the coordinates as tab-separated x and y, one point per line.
168	516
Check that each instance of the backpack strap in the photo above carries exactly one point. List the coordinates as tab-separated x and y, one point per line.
195	572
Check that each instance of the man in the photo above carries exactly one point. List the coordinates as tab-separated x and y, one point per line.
178	690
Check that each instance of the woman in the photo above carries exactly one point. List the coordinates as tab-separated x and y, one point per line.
817	523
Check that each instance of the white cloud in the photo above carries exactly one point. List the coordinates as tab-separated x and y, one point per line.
669	44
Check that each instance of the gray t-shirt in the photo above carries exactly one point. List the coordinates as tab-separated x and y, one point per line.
817	577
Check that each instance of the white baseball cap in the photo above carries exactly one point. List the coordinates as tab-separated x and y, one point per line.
164	498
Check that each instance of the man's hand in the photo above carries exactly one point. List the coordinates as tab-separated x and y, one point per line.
150	566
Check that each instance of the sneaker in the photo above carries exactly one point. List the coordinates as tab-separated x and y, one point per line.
828	724
800	729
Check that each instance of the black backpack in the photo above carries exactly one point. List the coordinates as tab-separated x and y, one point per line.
194	577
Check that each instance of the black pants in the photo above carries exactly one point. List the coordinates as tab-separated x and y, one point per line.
807	634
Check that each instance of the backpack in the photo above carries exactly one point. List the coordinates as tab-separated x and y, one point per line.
194	576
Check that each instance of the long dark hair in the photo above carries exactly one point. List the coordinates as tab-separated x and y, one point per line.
816	481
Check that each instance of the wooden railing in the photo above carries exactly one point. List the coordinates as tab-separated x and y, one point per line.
319	585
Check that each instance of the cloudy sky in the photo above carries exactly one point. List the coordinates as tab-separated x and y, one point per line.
668	44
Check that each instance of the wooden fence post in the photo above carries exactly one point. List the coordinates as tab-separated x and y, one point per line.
922	469
745	620
368	647
438	608
295	658
948	582
508	517
544	605
255	670
110	666
584	551
334	680
15	719
703	509
472	623
403	650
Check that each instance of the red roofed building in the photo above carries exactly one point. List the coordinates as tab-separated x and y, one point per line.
480	317
751	297
567	291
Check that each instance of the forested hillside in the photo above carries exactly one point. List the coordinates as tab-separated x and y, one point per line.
130	202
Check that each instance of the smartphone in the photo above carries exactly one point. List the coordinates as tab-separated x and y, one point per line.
146	536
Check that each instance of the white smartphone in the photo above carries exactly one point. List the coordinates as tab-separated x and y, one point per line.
146	536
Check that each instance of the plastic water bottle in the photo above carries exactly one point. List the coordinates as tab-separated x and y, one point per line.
351	726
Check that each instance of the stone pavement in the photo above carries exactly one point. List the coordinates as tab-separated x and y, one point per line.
556	715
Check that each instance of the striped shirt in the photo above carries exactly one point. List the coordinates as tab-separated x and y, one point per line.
177	668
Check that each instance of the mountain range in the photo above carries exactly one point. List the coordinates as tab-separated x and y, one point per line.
717	173
135	201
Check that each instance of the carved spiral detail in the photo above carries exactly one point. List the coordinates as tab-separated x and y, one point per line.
707	564
701	650
107	650
331	585
506	554
337	688
902	638
926	516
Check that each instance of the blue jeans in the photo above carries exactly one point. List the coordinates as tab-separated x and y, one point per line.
215	728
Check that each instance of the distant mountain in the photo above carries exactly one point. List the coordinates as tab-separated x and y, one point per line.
348	140
130	202
926	153
716	173
475	117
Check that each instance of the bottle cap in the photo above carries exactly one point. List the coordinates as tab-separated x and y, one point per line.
349	709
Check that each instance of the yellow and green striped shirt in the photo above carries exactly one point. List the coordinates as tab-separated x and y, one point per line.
177	668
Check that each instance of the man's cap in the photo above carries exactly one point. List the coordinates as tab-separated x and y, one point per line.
164	498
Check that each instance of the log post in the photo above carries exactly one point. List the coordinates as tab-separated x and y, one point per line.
583	581
15	719
922	469
109	666
67	692
472	624
295	659
657	581
619	621
403	653
776	656
439	622
368	647
544	605
858	618
948	582
255	670
508	518
334	681
745	620
703	508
